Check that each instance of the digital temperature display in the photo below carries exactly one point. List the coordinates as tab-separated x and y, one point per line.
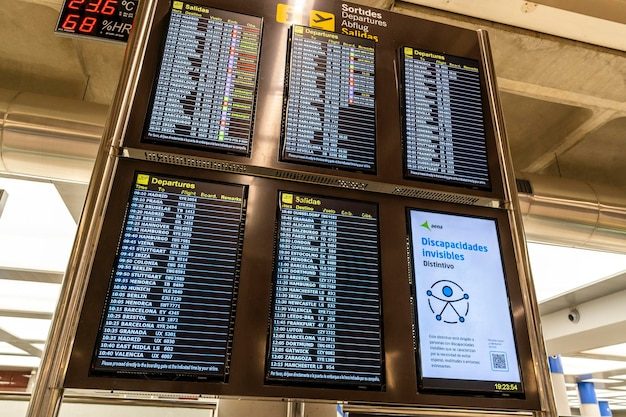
105	19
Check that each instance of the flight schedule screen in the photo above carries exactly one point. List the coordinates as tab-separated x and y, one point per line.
444	131
205	90
170	299
326	310
330	115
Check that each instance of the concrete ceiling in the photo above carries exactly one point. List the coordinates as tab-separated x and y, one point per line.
36	60
564	101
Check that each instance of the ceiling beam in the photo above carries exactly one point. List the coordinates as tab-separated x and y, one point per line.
26	314
612	10
537	17
31	275
557	95
19	343
602	323
596	121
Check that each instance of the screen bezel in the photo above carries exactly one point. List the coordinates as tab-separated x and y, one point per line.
460	385
191	376
489	153
148	138
312	382
283	137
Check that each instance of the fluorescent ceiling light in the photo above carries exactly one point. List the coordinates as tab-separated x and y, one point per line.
26	329
557	269
36	228
9	349
28	296
603	394
3	200
600	380
614	350
19	361
582	366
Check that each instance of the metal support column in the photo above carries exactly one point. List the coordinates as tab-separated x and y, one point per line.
512	206
48	390
295	408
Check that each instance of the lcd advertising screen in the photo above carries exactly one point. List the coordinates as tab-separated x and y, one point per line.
443	125
326	311
205	90
330	110
169	310
464	329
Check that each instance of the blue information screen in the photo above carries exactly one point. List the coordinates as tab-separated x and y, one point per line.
464	328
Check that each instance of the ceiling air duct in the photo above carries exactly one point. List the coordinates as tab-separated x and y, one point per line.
573	213
49	137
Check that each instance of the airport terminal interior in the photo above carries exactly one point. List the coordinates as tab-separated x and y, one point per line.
561	76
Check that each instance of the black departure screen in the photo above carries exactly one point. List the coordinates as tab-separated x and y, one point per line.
326	318
330	111
170	303
205	91
443	122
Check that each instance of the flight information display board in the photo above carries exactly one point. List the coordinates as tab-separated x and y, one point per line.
330	111
464	324
326	311
444	131
170	299
206	86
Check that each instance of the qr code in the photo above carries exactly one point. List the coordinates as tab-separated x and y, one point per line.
499	362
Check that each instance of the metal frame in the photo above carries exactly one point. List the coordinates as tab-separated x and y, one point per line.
513	208
48	391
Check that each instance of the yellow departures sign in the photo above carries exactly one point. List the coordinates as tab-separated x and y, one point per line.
319	19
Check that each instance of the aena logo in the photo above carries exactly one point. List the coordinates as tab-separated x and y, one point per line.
425	225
